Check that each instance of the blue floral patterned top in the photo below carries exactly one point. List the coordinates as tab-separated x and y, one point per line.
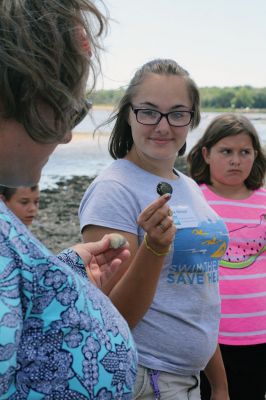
60	336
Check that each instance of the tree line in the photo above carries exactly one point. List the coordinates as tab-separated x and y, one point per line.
211	97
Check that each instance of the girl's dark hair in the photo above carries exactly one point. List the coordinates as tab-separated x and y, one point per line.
222	126
121	140
43	63
8	192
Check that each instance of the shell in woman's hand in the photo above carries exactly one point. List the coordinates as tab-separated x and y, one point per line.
117	240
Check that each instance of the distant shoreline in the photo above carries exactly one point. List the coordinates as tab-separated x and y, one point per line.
236	110
107	107
110	107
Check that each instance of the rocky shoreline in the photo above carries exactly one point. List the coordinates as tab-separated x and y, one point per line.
57	223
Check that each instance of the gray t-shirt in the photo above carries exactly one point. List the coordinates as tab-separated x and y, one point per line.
179	332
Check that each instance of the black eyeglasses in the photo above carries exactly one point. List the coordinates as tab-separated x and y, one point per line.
78	116
145	116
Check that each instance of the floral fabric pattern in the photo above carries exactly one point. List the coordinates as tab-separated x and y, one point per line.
60	336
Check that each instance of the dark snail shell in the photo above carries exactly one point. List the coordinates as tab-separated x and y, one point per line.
164	187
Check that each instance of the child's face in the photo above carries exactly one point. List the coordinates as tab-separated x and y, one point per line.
24	203
160	142
230	160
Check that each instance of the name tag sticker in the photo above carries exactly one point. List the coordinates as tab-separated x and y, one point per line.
184	217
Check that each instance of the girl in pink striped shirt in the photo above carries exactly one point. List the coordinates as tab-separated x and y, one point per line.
229	164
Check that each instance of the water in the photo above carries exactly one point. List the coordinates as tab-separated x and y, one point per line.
88	155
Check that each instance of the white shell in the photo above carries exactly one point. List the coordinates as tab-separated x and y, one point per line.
117	241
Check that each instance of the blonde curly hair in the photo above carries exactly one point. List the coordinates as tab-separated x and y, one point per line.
43	62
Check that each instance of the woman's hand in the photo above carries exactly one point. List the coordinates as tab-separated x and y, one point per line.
156	220
101	260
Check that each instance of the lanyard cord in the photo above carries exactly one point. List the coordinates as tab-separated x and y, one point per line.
154	375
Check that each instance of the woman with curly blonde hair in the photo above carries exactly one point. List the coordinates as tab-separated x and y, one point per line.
60	336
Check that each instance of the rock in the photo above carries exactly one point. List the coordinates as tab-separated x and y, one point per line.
57	223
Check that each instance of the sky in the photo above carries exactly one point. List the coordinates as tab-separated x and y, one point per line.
220	42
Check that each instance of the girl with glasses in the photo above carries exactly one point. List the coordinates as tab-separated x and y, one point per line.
168	293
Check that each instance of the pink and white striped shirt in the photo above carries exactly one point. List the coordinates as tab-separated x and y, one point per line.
243	268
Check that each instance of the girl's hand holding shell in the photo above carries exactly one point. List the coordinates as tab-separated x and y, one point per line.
156	220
